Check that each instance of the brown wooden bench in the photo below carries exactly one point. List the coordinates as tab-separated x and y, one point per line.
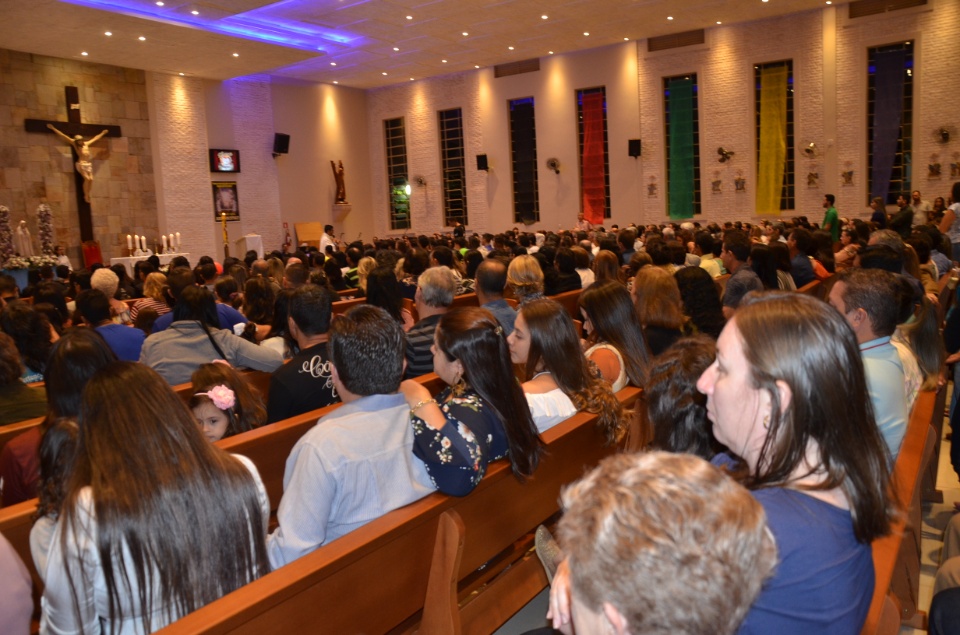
259	380
896	558
569	301
8	432
471	557
811	288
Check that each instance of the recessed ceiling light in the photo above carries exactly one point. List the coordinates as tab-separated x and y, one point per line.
159	3
142	39
544	17
409	17
181	74
195	12
476	66
384	73
444	61
626	39
236	55
84	53
669	17
765	1
333	63
396	48
411	79
510	48
550	52
465	34
335	82
108	33
829	2
586	32
719	22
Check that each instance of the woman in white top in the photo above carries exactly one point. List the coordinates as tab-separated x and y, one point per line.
156	522
950	225
561	381
614	337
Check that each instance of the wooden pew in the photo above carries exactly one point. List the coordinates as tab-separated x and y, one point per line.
721	282
569	301
12	430
896	558
259	380
811	288
377	578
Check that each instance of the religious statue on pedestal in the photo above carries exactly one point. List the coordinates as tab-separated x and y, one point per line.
24	240
84	163
341	186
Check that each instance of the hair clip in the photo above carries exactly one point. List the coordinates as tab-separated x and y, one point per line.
221	396
498	330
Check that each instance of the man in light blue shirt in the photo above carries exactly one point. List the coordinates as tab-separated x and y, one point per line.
357	463
869	299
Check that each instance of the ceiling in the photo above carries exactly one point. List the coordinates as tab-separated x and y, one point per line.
357	43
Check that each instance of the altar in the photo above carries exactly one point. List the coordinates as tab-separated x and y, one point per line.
130	261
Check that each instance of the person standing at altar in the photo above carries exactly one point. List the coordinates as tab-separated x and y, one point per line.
62	258
328	239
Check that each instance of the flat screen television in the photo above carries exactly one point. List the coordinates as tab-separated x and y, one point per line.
224	160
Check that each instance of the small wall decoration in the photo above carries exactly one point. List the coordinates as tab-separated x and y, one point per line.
716	186
813	179
740	183
652	187
224	160
225	200
847	177
933	171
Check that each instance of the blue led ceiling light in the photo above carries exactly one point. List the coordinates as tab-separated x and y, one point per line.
263	24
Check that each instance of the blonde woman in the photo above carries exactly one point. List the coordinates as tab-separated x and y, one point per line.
525	279
154	288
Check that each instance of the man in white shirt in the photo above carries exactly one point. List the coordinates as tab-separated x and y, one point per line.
328	239
357	463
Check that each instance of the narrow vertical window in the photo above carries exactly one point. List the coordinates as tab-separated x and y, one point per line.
594	158
453	162
681	116
775	143
396	145
890	120
523	146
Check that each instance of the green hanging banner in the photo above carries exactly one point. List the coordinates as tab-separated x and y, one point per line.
773	139
680	189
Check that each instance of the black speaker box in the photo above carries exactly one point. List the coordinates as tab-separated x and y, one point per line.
482	162
634	147
281	143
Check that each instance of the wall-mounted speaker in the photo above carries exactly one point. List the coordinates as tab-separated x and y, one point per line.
281	143
633	147
482	162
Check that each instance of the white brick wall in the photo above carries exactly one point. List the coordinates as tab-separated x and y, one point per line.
184	197
418	103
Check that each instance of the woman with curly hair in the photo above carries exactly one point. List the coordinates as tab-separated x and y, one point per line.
614	336
701	301
223	403
560	381
33	335
525	279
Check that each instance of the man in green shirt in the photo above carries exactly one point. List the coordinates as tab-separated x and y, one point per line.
831	222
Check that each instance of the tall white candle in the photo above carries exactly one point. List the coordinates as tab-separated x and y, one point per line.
178	241
164	236
143	241
129	241
136	240
173	245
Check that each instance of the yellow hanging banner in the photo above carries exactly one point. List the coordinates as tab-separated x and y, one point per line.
773	139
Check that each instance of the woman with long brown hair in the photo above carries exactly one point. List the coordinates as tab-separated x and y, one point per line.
559	378
659	307
481	416
614	336
156	522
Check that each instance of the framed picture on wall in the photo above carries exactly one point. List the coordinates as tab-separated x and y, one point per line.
225	200
224	160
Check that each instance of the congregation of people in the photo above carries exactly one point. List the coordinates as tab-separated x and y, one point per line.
755	473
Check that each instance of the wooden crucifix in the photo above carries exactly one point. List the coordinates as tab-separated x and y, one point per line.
74	132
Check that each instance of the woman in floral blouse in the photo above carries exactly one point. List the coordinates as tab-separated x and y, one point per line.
482	416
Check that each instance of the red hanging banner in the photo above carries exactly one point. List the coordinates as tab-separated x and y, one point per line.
593	171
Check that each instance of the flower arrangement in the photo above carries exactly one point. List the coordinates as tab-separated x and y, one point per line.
45	225
32	262
6	235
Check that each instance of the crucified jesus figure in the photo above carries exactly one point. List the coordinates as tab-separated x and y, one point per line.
84	165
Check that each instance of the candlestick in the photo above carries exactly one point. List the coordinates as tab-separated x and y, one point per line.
136	241
164	236
143	242
129	241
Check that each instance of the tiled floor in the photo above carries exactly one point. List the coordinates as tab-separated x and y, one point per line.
935	518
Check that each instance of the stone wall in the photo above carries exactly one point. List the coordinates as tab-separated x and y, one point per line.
39	167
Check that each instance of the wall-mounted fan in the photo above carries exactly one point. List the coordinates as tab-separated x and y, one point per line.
553	164
943	133
811	150
725	155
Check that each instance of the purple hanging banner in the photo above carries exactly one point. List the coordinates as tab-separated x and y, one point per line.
887	113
